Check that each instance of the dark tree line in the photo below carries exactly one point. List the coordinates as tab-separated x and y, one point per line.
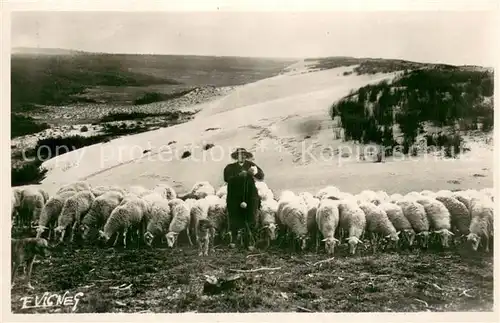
441	96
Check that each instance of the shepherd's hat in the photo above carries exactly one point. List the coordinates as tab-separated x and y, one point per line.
241	151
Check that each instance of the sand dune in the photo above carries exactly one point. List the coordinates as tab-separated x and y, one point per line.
284	120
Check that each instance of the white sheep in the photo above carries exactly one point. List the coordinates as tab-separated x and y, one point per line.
75	186
481	227
263	191
439	219
198	211
330	192
16	202
382	196
466	196
292	215
345	196
460	215
284	198
312	207
99	212
138	190
378	225
488	191
394	198
166	191
222	192
31	204
413	195
100	190
50	213
215	221
200	190
444	193
428	193
399	221
267	220
180	222
74	208
415	213
127	218
353	222
157	218
369	196
327	219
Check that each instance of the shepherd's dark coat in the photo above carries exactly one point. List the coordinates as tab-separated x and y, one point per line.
241	188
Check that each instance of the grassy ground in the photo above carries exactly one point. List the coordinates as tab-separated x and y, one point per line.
171	280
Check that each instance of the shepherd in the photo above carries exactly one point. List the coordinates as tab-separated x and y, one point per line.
242	198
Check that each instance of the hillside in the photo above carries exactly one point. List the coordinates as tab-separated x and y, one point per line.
451	97
55	77
285	121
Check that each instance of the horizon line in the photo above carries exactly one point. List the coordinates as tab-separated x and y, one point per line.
238	56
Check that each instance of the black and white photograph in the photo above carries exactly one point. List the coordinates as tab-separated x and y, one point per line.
240	161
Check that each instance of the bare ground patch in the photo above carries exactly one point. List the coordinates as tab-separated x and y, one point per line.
164	280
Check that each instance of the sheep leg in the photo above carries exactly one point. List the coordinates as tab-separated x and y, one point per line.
267	242
125	234
49	235
374	241
73	230
207	244
189	237
30	269
250	235
14	269
487	243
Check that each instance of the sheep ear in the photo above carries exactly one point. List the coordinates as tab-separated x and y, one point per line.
451	233
323	240
397	233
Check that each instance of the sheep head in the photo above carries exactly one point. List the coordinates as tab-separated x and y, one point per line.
39	230
41	247
423	238
353	243
392	239
103	236
444	236
330	244
84	228
148	238
409	235
303	242
59	233
270	231
171	238
474	240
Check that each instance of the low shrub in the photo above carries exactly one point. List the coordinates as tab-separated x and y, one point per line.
126	116
22	125
28	173
151	97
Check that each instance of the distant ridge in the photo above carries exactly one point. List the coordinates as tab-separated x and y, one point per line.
45	51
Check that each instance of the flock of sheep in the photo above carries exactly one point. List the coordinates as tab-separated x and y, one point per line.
139	215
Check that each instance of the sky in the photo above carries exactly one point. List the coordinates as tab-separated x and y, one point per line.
440	37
